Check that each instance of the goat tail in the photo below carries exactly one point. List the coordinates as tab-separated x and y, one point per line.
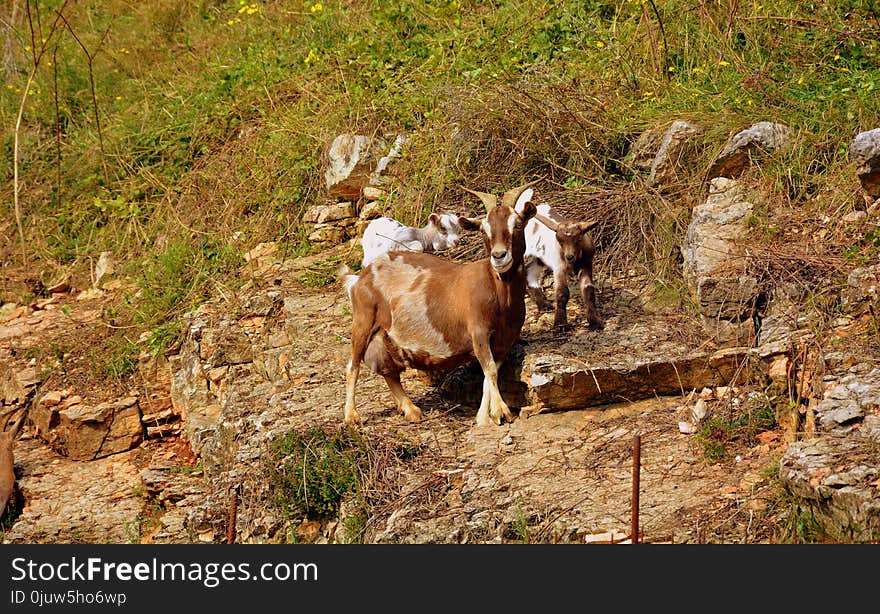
348	278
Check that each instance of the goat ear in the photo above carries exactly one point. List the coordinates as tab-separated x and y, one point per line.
587	226
551	224
470	223
529	210
434	219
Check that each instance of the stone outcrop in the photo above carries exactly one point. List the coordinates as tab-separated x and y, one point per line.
666	165
725	293
660	153
354	175
84	432
864	153
355	162
631	363
746	145
837	472
862	291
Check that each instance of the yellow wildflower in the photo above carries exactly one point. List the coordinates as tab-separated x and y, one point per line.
312	56
317	7
599	44
723	63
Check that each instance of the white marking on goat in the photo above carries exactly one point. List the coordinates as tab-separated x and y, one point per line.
411	328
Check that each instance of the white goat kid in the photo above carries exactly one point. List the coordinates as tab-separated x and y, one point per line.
565	248
385	234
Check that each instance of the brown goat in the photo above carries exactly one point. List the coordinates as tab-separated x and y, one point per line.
7	470
422	311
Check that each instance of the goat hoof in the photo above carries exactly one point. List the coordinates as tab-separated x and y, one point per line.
562	328
413	416
597	324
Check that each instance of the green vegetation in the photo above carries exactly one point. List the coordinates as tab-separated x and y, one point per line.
179	135
315	471
521	525
728	428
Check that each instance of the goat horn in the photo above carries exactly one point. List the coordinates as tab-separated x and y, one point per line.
551	224
510	196
489	200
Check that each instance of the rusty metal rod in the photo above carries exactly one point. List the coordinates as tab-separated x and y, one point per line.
637	452
233	513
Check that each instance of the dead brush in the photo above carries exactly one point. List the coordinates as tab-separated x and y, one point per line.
638	233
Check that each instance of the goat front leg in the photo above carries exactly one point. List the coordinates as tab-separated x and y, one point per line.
560	320
410	411
492	406
588	294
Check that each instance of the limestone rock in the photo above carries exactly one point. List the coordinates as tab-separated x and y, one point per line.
711	238
864	152
834	472
643	151
747	145
104	268
862	286
16	384
355	161
86	432
664	167
370	211
321	214
327	234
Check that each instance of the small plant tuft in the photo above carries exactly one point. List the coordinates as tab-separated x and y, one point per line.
315	470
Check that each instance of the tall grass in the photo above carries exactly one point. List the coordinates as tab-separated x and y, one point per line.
214	115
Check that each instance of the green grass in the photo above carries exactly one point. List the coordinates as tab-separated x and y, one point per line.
209	120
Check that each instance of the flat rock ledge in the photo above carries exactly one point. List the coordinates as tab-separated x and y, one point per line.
625	362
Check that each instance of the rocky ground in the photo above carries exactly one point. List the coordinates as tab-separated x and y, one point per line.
558	475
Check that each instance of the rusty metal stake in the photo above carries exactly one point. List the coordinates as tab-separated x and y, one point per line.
233	512
637	452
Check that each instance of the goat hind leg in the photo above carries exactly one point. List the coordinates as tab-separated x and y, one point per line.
536	292
410	411
361	334
588	294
